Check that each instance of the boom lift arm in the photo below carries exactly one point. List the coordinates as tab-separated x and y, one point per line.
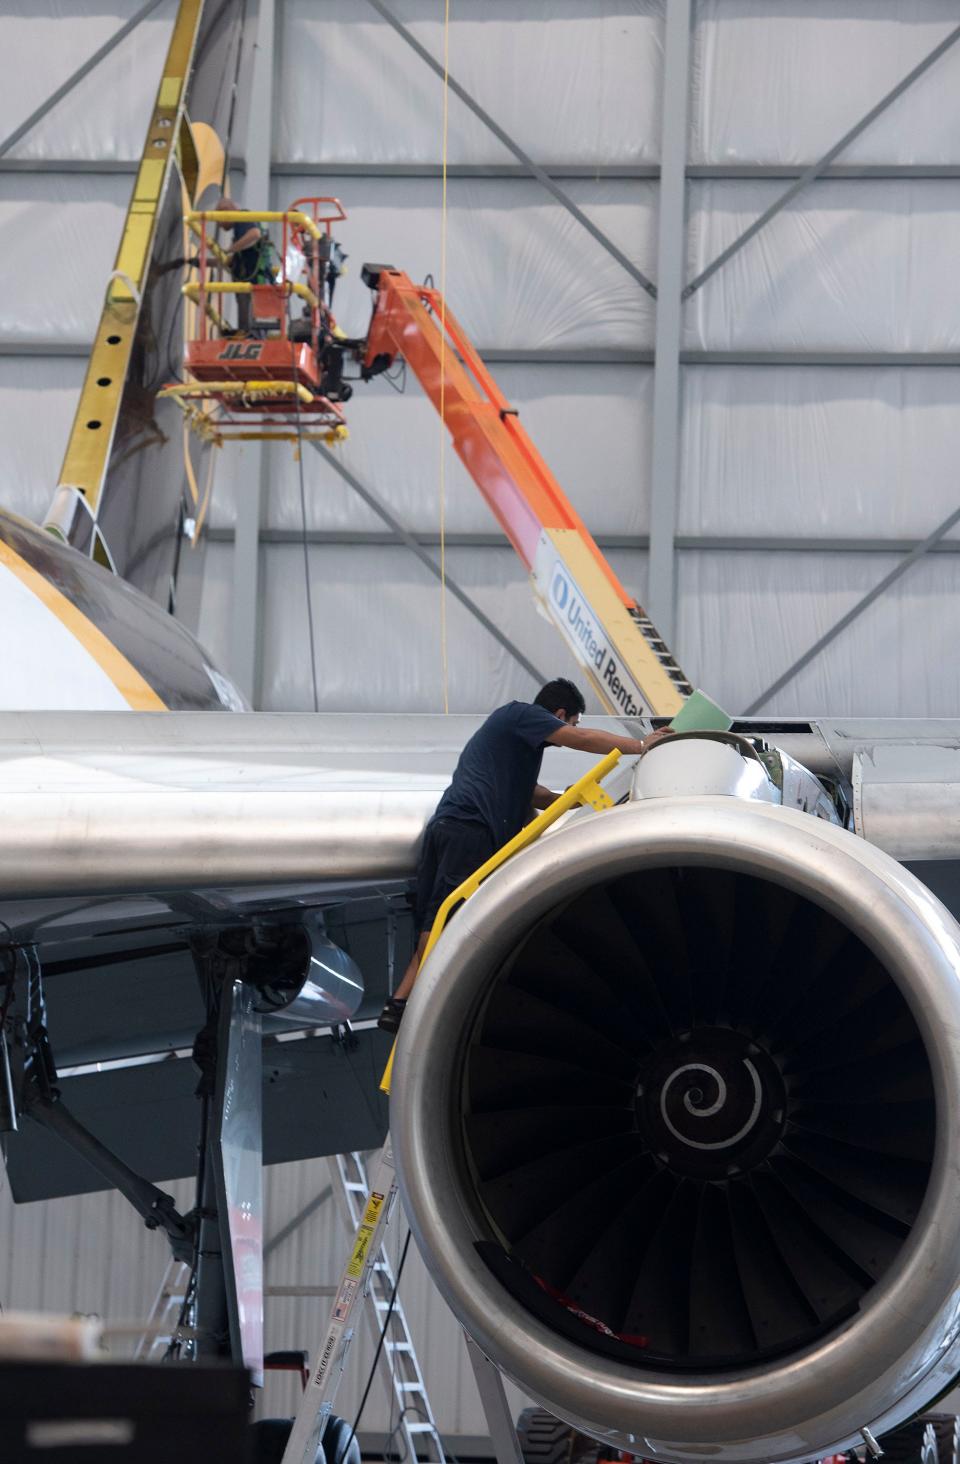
629	665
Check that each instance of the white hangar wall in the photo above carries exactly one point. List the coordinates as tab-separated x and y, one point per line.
819	428
780	443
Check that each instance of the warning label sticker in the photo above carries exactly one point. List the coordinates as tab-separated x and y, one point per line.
365	1233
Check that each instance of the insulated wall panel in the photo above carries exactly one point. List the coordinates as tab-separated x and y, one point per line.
216	603
745	617
783	83
378	631
67	227
521	272
105	115
851	266
591	424
38	397
572	81
819	452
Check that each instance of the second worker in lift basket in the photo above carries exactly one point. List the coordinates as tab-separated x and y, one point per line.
492	794
251	259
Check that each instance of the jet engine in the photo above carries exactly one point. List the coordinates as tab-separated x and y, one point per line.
676	1116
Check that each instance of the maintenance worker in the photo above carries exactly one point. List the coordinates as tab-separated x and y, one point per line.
250	259
492	794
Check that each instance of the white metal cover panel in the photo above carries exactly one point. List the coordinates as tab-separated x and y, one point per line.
376	616
106	114
521	272
353	90
745	616
67	227
592	424
38	397
781	83
819	451
847	266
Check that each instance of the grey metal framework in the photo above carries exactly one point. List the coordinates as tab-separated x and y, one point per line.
667	359
246	643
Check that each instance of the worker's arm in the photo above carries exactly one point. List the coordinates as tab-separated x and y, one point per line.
543	797
590	739
244	242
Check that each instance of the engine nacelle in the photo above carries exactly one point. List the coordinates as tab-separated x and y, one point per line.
676	1117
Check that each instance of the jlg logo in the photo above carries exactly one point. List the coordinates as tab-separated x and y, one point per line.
237	351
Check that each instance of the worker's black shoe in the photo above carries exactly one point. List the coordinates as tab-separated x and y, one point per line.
392	1015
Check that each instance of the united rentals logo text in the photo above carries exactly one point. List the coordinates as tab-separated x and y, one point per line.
581	627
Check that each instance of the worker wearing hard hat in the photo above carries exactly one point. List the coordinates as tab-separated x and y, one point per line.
491	796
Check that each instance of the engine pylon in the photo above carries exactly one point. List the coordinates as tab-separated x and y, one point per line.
675	1113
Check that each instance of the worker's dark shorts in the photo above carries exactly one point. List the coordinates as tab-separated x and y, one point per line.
453	849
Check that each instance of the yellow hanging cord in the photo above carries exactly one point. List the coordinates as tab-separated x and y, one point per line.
443	357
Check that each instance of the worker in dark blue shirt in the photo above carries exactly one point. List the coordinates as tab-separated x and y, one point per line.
492	794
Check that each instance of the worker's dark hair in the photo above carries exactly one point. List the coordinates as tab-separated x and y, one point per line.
561	693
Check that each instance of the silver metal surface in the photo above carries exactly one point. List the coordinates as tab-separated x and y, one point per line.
687	765
238	1171
900	1349
496	1405
906	800
332	990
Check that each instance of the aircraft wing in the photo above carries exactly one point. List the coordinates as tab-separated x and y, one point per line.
129	836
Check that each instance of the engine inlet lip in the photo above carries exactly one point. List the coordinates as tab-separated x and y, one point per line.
872	1368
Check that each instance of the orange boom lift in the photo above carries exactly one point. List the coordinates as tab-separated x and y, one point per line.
628	663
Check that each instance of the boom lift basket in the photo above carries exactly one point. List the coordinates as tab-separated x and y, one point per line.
280	378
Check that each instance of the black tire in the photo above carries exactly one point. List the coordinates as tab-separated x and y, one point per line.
546	1440
919	1441
270	1437
336	1436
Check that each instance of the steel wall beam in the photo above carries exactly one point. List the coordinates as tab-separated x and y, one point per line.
862	604
402	535
613	356
251	469
815	169
637	172
527	162
693	543
78	75
671	267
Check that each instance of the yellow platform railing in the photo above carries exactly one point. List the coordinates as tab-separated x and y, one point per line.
586	791
243	287
253	216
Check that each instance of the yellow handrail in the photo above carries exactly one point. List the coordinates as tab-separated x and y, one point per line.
586	790
238	388
244	287
263	216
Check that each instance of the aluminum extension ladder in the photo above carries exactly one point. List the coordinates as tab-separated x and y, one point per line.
398	1363
357	1282
367	1269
